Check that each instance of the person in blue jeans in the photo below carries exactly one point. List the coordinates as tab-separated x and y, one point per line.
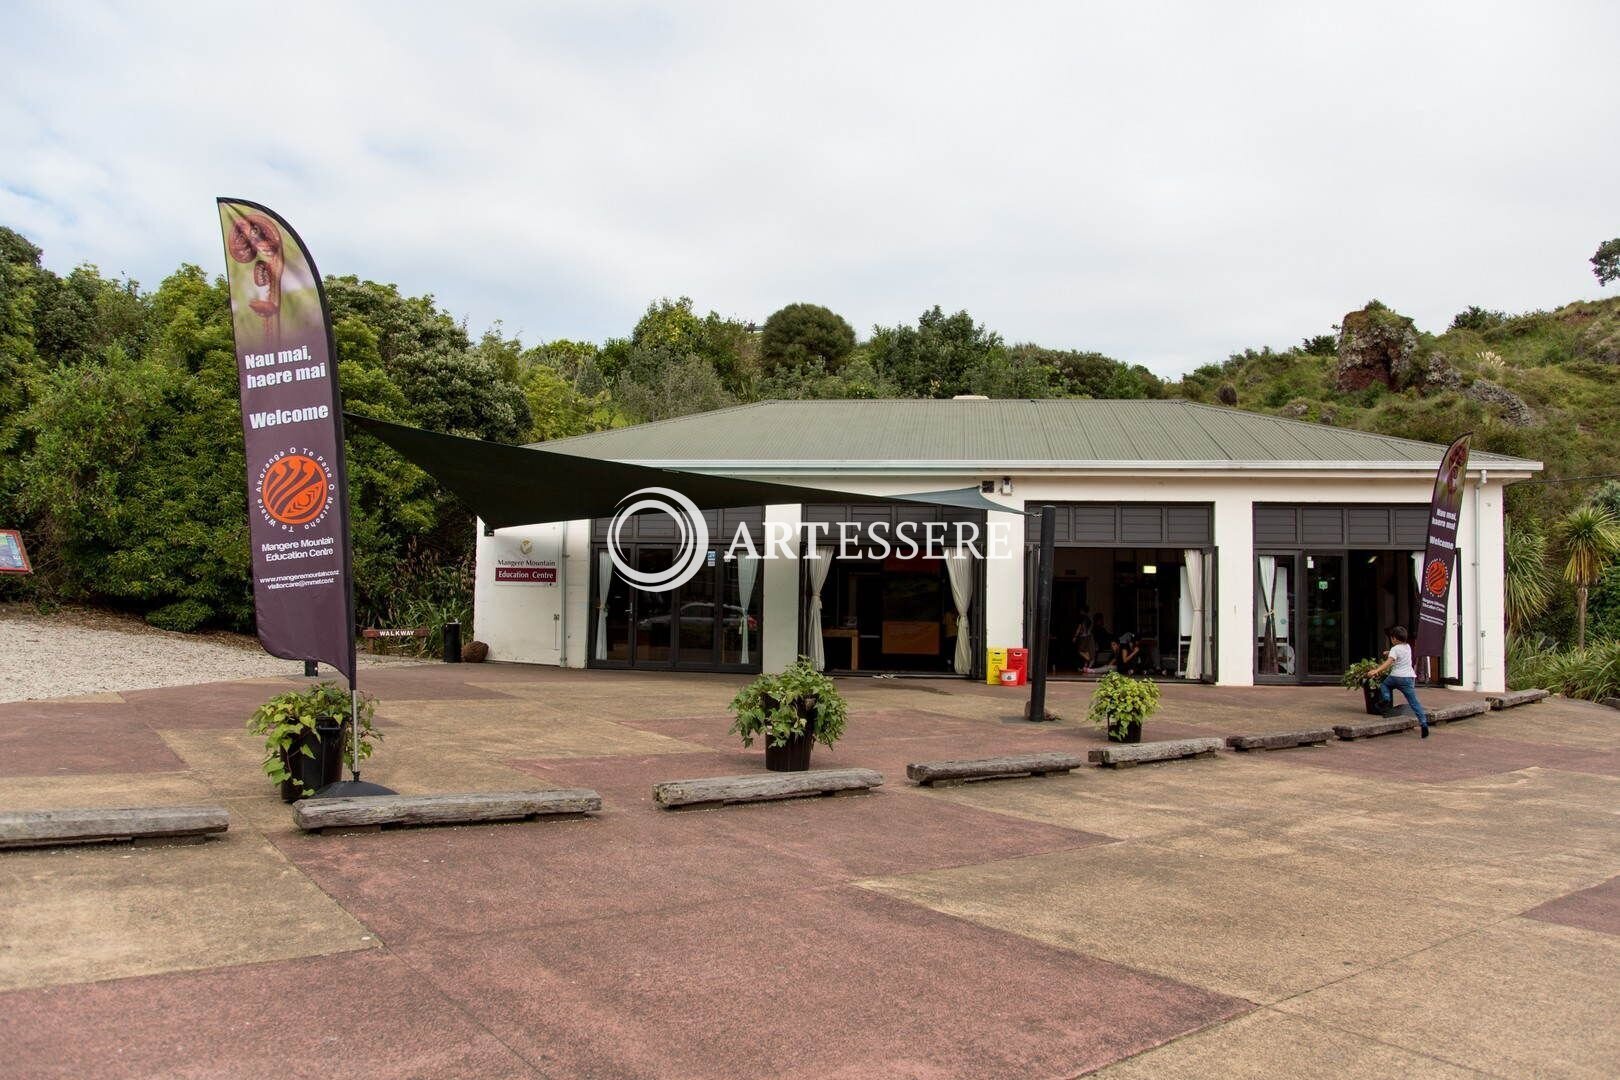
1401	676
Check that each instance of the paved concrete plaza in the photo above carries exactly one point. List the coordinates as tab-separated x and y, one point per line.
1387	908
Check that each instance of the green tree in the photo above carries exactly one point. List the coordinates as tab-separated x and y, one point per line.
461	392
558	410
677	388
134	484
1589	538
801	332
1529	584
1606	262
403	324
939	357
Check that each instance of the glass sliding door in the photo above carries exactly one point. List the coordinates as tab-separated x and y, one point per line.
1275	616
1325	620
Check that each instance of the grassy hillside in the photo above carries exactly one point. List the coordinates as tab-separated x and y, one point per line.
1543	385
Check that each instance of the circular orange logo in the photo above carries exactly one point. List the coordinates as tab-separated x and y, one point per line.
294	489
1435	578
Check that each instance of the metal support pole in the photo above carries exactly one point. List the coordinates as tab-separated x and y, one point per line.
354	731
1038	649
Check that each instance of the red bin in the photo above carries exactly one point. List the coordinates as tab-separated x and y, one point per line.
1018	661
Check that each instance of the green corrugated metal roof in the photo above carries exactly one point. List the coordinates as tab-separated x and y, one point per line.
1047	432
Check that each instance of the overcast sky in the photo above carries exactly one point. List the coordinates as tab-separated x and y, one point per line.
1166	183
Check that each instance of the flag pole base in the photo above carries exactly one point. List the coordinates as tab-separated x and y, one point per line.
352	789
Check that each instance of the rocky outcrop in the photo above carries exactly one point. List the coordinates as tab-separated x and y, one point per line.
1599	342
1514	409
1430	374
1376	346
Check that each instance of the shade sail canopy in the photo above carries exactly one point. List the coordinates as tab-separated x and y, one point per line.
520	485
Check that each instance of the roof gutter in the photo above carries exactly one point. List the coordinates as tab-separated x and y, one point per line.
1504	468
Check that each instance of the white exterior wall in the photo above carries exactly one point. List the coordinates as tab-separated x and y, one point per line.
517	621
520	622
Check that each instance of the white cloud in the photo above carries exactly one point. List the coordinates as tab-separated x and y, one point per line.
1166	183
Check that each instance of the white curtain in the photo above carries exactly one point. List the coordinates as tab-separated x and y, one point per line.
1184	620
1193	564
820	567
604	584
747	572
1265	601
959	566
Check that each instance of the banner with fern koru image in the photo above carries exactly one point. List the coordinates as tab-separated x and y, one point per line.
291	429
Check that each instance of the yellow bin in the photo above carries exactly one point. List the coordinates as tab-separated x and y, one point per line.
994	661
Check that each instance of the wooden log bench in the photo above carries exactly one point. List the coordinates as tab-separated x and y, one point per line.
1450	714
377	811
1280	740
1124	755
720	790
1514	698
137	824
1389	725
935	773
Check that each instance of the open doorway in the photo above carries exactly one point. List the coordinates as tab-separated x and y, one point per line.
1108	601
889	615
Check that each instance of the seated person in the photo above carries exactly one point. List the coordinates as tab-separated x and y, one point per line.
1131	660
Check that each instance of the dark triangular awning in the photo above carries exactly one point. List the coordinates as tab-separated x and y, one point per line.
520	485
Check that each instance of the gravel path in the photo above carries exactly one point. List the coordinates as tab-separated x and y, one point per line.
86	652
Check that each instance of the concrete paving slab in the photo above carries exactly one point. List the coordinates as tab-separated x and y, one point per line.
502	729
1501	887
829	983
1452	754
1518	998
1596	908
55	741
1266	1045
414	884
1227	925
84	914
102	789
292	1018
1557	721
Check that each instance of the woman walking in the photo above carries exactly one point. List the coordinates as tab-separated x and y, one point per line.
1402	676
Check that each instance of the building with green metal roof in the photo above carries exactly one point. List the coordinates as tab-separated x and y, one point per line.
1191	541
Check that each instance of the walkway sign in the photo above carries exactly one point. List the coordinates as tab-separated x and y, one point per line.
1440	554
13	555
292	425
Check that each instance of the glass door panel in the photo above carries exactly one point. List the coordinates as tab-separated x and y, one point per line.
697	619
1274	616
615	629
1325	616
652	611
739	618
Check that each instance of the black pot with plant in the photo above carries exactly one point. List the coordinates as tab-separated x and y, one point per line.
1120	704
1358	676
793	711
306	737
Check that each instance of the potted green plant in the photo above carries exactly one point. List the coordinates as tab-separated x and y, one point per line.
793	711
1358	676
306	737
1120	704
